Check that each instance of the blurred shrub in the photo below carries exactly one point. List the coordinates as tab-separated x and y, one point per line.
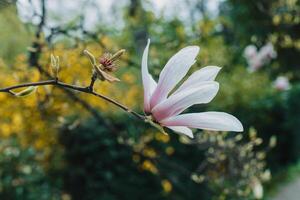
22	177
292	122
252	98
239	90
99	167
235	166
110	165
103	164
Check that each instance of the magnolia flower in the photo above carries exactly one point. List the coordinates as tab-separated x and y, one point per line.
164	107
256	59
250	51
267	51
282	83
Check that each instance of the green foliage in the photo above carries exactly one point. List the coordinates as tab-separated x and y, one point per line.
102	168
22	177
110	165
292	122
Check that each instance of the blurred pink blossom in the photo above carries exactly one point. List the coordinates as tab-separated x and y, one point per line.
257	59
282	83
164	107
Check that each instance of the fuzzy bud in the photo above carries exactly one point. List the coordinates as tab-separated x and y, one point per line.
55	65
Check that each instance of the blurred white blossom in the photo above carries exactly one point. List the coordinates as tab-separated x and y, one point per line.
257	188
250	51
256	59
282	83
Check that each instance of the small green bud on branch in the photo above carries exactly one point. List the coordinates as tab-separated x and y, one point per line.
55	65
26	92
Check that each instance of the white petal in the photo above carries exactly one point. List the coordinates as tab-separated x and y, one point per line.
216	121
153	84
175	69
182	130
180	101
208	73
148	82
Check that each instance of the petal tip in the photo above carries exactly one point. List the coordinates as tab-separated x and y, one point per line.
196	49
191	136
182	130
239	126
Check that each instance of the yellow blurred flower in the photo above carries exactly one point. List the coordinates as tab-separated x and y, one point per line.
149	166
170	150
166	185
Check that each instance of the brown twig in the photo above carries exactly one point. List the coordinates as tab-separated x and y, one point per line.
93	80
88	90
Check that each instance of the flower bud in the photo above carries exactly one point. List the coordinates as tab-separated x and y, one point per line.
26	92
91	57
55	65
106	65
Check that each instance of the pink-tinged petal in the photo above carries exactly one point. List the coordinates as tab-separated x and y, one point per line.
175	69
208	73
216	121
182	130
153	84
148	82
177	103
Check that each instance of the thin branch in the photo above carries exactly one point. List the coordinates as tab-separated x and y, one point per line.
88	90
50	82
93	80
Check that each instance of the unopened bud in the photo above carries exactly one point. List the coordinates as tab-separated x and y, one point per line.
55	65
26	91
53	60
117	55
